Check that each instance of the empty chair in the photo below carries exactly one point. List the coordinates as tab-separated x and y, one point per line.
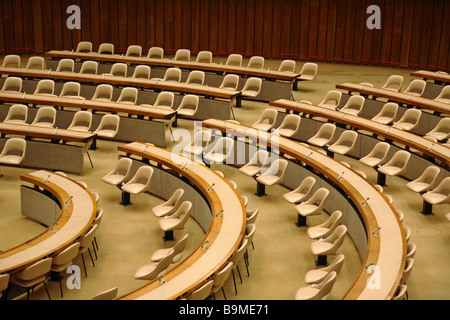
387	113
377	155
90	67
273	175
259	160
139	183
203	292
119	70
393	83
290	126
84	46
12	85
222	152
317	275
302	193
109	294
266	120
164	99
324	229
33	276
323	135
176	222
103	92
252	215
409	120
400	293
256	62
345	143
81	121
62	261
230	81
120	174
312	206
287	65
45	117
234	59
237	257
317	291
36	63
11	61
4	283
199	142
308	71
85	242
45	87
134	51
155	53
169	206
17	114
438	195
331	100
354	105
395	166
329	245
106	48
196	77
172	74
441	131
425	181
220	278
182	55
128	95
416	87
188	106
411	248
13	151
204	57
141	72
252	87
178	249
155	270
71	89
66	65
444	95
108	126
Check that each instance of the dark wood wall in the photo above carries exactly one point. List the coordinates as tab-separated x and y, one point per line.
414	33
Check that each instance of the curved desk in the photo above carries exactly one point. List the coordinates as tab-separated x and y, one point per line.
438	77
386	248
221	240
75	219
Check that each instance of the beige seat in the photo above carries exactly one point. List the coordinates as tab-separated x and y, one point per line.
169	206
222	152
319	291
234	59
139	183
142	72
108	126
128	95
230	81
323	135
33	276
155	270
17	114
256	62
66	65
103	92
45	117
134	51
331	100
45	87
438	195
303	192
387	113
396	166
409	120
11	61
182	55
411	248
4	283
327	227
308	71
290	126
250	230
237	257
81	121
329	245
85	242
62	261
196	77
178	249
155	53
345	143
266	120
441	131
393	83
400	293
220	278
89	67
354	105
13	151
118	70
317	275
425	181
407	272
71	89
444	95
172	74
274	175
188	106
203	292
377	155
164	99
106	48
199	142
120	174
109	294
259	160
252	87
35	63
204	57
312	206
287	65
12	85
84	46
252	215
176	222
416	87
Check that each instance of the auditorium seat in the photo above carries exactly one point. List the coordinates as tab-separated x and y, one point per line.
188	106
266	120
274	175
329	245
66	65
182	55
308	71
252	215
259	160
331	100
154	270
33	275
142	72
62	261
303	192
134	51
376	155
13	151
164	99
17	114
120	174
45	117
318	291
409	120
203	292
199	142
393	83
81	121
444	95
106	48
234	59
118	70
256	62
441	131
220	278
344	144
230	81
438	195
252	87
416	87
109	294
315	276
169	206
109	126
400	293
35	63
221	152
45	87
84	46
12	85
155	53
287	65
323	135
11	61
196	77
290	126
396	166
354	105
327	227
139	183
425	181
236	258
85	242
128	95
89	67
178	249
204	57
387	113
103	92
172	74
4	283
312	206
176	221
71	89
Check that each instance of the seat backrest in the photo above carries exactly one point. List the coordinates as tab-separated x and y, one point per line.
332	97
444	94
189	101
67	254
165	98
223	275
4	282
333	220
143	175
326	130
46	86
354	102
122	167
172	74
253	84
87	239
416	86
348	138
400	159
234	59
107	295
252	215
11	61
230	81
179	247
389	109
142	71
119	69
411	116
287	65
182	55
196	77
268	115
12	84
84	46
291	121
326	285
35	63
204	57
408	268
443	187
203	292
309	68
256	62
239	253
429	175
134	51
81	118
103	91
442	126
259	158
36	270
17	112
393	82
66	65
14	145
90	67
319	197
70	88
337	236
155	53
46	114
109	120
106	48
128	94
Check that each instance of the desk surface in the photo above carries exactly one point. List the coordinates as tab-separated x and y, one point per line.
191	65
432	75
387	251
405	98
224	234
430	148
75	220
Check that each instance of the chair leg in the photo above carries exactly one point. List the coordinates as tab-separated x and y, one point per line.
224	296
84	265
46	289
95	251
90	160
93	263
234	281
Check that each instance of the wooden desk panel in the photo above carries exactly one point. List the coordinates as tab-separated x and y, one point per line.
438	77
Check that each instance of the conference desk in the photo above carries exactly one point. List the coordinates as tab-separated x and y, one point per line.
225	226
382	229
438	77
77	213
399	97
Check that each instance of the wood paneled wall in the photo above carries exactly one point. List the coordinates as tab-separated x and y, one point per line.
414	33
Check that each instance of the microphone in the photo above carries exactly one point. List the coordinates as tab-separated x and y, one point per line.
145	149
364	203
366	268
50	70
210	187
373	232
340	176
224	123
56	131
217	214
46	179
431	147
184	165
203	247
309	155
160	280
67	201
